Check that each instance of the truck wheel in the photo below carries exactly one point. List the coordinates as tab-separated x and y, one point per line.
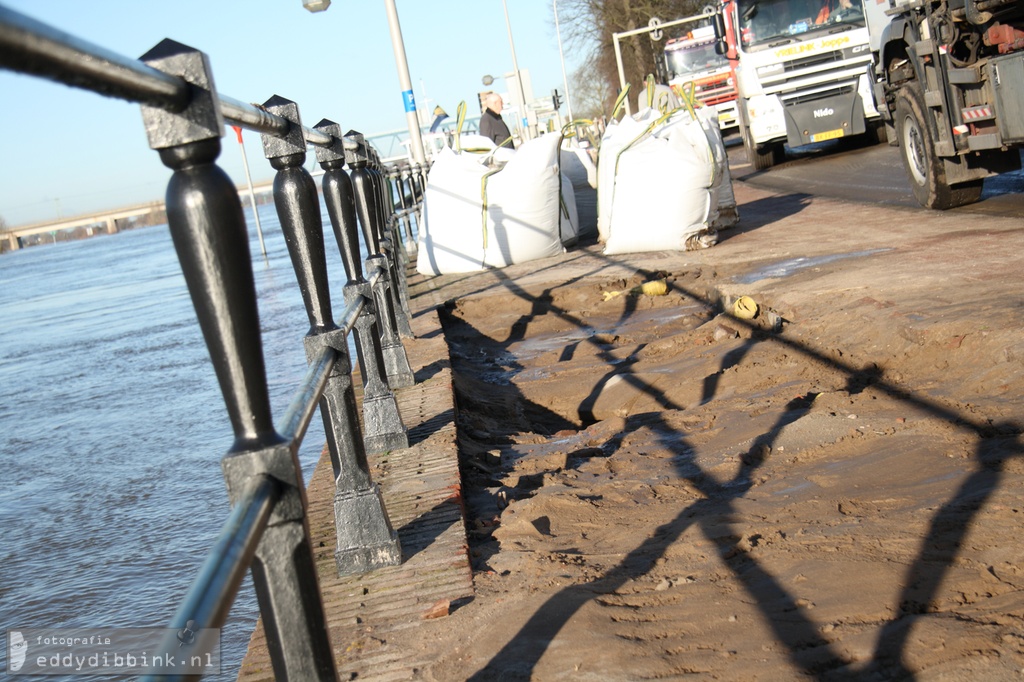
762	158
924	166
876	133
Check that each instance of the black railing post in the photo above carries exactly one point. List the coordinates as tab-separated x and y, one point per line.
395	176
365	537
384	430
391	241
209	232
396	361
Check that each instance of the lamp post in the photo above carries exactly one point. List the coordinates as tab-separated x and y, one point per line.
530	127
415	139
561	57
413	121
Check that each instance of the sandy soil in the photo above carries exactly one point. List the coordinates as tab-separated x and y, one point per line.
659	490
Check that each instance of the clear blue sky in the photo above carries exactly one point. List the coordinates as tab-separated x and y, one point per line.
67	151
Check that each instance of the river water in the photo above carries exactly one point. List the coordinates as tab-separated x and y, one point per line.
112	428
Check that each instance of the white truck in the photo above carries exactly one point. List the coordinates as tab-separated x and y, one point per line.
804	75
949	82
692	61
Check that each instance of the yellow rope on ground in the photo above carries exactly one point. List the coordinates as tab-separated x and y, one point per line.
656	288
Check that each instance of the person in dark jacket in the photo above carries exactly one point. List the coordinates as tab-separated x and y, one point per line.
492	125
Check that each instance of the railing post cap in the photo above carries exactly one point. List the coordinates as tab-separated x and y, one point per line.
357	152
294	140
336	152
202	118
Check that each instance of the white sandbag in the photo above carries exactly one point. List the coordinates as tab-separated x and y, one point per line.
728	213
568	215
478	144
475	141
523	205
662	98
476	217
617	135
450	234
577	164
665	186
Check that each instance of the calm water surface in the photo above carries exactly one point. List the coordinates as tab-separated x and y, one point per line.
112	427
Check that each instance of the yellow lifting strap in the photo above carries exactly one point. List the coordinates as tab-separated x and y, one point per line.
460	121
620	102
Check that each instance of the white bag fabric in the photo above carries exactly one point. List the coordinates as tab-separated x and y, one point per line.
582	173
728	213
475	217
616	136
659	188
568	215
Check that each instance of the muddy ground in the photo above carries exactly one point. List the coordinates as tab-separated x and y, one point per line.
657	489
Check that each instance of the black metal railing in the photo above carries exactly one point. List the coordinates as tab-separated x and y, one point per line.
267	529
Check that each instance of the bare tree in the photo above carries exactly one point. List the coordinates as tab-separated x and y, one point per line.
589	25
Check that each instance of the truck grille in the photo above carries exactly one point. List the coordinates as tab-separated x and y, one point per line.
804	97
816	76
804	63
716	92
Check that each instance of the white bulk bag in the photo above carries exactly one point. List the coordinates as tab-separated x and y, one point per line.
582	173
449	238
476	217
616	136
568	214
728	213
662	185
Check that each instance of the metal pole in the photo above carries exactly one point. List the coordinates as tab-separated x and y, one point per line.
252	193
415	139
622	73
561	56
641	31
530	127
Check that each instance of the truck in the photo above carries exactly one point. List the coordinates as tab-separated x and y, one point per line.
803	75
949	83
691	60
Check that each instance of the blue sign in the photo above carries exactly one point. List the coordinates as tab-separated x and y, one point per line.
410	101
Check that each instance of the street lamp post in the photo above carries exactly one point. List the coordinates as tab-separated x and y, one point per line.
561	56
530	127
415	139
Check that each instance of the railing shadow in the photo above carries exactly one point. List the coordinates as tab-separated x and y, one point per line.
808	651
421	532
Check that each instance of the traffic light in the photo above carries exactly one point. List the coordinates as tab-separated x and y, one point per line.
556	99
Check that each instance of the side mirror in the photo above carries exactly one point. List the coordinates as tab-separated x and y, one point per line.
721	45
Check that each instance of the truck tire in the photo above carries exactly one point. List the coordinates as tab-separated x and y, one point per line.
761	158
924	167
876	133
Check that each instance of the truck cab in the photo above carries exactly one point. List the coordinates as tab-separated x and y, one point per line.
803	74
691	61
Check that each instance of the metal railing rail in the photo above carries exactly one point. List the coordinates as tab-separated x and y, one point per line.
267	529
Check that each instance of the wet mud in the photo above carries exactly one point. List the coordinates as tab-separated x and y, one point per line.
657	489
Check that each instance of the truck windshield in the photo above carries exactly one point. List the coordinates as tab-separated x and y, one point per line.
685	60
772	21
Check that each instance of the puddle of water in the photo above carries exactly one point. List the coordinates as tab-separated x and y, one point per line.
793	265
539	344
